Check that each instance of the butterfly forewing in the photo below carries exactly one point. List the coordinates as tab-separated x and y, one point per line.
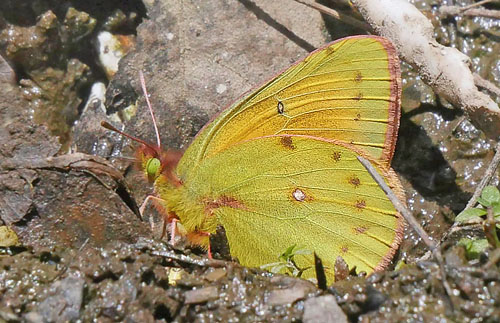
347	91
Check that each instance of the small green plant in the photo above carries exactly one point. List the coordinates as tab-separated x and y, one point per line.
473	247
286	261
490	198
487	213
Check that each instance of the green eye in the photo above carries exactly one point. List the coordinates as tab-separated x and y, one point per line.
152	167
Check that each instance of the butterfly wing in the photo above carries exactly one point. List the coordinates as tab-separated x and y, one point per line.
273	192
348	90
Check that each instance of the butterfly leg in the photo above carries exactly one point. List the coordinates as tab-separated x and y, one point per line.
209	249
146	200
170	218
173	228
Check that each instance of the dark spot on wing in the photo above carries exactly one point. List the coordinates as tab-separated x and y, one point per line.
222	201
287	142
358	116
360	204
354	181
358	96
359	77
344	249
360	230
336	156
281	107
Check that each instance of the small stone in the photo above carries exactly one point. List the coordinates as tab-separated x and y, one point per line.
287	296
341	269
8	237
201	295
64	302
289	290
323	309
216	274
221	88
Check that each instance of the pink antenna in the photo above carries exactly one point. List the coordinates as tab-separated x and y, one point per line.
110	127
143	85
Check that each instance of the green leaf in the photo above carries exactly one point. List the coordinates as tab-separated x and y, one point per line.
483	202
470	214
303	252
496	209
273	264
288	253
286	261
466	242
473	247
491	195
400	264
276	269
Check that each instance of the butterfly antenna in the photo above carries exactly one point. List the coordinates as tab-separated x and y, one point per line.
110	127
145	91
121	157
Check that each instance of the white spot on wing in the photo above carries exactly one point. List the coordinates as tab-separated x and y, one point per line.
299	195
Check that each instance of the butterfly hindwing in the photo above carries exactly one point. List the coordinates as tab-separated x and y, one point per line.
273	192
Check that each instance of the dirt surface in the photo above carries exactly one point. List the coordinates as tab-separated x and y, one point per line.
84	252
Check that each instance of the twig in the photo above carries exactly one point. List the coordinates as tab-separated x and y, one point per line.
337	15
485	84
403	210
397	203
190	260
492	167
470	10
477	4
493	259
490	228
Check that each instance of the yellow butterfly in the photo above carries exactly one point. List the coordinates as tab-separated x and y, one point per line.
279	168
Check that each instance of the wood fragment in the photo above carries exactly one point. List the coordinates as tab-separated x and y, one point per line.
335	14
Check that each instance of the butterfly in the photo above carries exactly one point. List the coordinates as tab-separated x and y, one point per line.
278	168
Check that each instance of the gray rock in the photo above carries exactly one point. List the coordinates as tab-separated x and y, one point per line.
64	301
323	309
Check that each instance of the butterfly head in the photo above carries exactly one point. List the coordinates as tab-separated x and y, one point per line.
156	162
153	167
152	159
149	160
